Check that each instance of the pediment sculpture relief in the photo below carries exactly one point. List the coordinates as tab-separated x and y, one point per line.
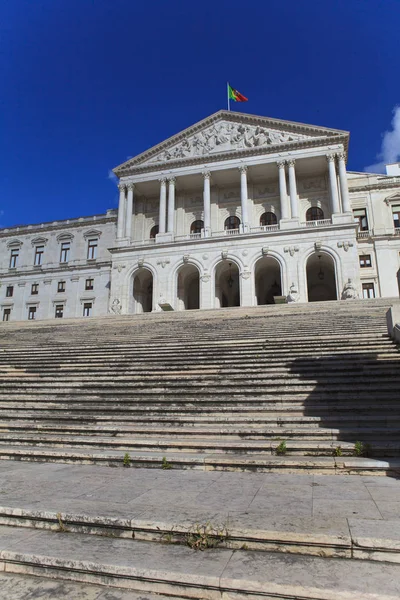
225	137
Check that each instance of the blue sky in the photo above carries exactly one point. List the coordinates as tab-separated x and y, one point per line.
88	83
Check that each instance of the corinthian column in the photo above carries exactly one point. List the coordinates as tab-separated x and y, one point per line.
293	190
121	211
283	190
344	190
171	204
207	203
129	211
163	205
244	197
333	184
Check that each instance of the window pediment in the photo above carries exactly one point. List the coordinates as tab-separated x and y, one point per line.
14	244
393	199
65	237
95	233
39	241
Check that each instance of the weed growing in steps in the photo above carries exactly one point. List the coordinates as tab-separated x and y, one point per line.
61	525
361	449
281	449
202	537
337	451
126	460
165	464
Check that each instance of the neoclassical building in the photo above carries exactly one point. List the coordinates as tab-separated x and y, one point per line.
236	210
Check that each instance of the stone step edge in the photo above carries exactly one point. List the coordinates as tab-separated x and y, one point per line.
209	462
199	575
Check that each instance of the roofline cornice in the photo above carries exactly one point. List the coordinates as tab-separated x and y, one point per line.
376	186
49	227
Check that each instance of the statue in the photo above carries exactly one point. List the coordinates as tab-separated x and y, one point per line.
116	307
349	291
293	295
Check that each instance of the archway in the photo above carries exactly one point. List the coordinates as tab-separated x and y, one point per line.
231	223
153	232
227	290
268	279
268	218
188	288
321	278
142	291
314	213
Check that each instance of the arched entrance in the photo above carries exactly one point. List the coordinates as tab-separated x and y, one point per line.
142	291
268	279
188	287
321	278
227	291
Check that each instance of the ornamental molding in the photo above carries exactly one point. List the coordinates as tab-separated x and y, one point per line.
226	135
14	244
51	228
92	233
291	249
65	237
163	262
39	241
345	245
382	185
394	199
245	274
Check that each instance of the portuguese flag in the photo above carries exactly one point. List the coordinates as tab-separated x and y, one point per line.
235	95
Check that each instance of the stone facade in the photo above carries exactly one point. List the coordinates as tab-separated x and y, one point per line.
235	210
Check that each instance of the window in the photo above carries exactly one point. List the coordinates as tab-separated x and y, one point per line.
365	261
14	258
396	216
34	289
268	218
314	213
232	223
87	309
197	226
59	311
61	286
39	250
360	217
92	249
32	313
153	232
6	314
89	284
9	291
368	290
64	255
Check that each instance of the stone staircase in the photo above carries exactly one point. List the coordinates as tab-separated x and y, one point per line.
219	389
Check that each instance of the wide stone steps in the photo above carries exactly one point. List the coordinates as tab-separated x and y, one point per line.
180	572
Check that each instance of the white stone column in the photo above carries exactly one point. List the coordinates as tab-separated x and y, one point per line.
121	211
129	211
333	184
207	203
243	198
293	190
283	190
171	204
163	206
344	190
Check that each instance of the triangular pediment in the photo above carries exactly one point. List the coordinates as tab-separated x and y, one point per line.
226	134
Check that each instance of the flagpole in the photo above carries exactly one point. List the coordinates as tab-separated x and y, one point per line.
227	89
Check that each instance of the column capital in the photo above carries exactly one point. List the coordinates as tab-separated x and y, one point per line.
162	180
281	164
291	162
206	174
341	156
243	168
330	157
171	179
130	186
122	187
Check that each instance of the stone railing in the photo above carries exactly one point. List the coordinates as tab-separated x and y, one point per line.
363	234
397	231
318	223
264	228
187	236
225	232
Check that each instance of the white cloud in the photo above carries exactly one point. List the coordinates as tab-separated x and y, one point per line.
390	149
112	177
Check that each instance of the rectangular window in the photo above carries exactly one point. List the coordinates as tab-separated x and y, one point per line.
34	289
39	250
9	291
61	286
92	249
360	216
59	311
368	290
87	309
64	255
6	314
365	261
89	284
32	313
396	216
13	258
